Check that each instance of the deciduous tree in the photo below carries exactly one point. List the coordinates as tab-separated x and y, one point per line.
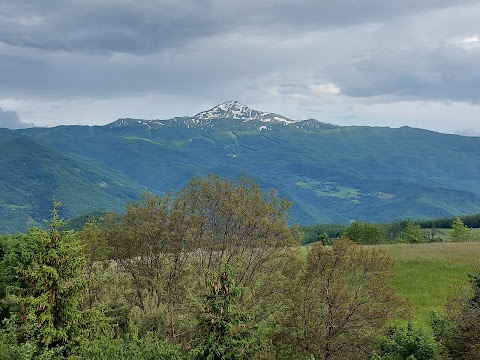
412	233
410	343
236	223
340	302
365	233
460	232
151	242
459	330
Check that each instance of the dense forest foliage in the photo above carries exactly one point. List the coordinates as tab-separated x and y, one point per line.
331	174
214	271
32	173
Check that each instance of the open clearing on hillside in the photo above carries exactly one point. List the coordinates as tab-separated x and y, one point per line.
328	189
444	234
426	275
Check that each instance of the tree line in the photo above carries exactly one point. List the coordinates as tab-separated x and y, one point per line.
406	231
213	271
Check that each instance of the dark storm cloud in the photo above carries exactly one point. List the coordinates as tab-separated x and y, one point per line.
150	26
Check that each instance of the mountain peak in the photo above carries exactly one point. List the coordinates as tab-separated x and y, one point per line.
238	111
229	104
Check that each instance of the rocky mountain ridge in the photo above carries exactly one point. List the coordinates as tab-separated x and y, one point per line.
227	114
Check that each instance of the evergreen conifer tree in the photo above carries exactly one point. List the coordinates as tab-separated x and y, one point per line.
44	298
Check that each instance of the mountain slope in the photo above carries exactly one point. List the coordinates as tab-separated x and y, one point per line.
33	173
330	173
237	111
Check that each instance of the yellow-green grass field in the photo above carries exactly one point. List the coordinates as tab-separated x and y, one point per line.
426	275
444	234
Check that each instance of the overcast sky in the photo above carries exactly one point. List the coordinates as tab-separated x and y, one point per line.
363	62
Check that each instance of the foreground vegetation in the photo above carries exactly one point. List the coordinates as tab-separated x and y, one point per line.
215	272
427	275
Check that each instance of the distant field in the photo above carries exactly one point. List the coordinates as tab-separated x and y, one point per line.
329	189
427	274
444	234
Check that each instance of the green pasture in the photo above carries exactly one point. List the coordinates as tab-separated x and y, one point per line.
426	275
329	189
444	234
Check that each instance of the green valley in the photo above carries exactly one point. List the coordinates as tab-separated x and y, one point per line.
331	174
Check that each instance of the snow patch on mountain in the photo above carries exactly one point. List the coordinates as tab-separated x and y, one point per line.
230	114
238	111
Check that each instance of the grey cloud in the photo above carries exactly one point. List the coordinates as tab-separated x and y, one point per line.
200	68
100	26
10	120
153	26
267	51
446	73
468	132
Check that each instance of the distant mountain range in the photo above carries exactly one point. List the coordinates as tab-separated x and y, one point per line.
228	114
33	173
330	173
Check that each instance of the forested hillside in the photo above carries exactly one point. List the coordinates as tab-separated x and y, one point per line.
331	174
33	173
213	271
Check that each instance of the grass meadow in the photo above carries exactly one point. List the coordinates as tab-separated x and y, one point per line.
426	275
444	234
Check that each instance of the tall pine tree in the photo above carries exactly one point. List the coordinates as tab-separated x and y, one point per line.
44	298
